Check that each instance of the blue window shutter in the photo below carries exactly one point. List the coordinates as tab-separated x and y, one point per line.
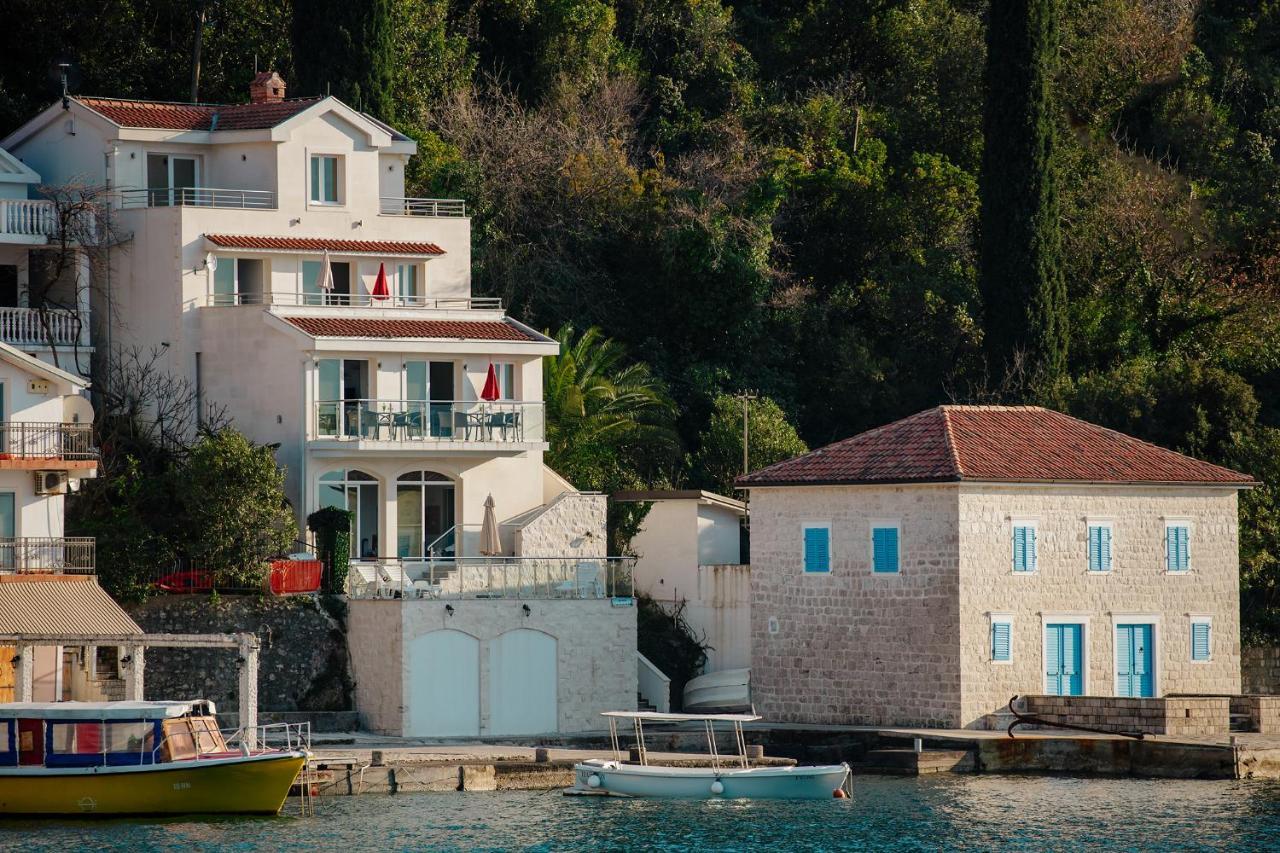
1184	550
1200	642
1032	555
1000	650
1095	549
1019	549
884	550
1178	557
1171	549
1106	548
817	549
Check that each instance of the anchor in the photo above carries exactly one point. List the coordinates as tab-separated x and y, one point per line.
1031	720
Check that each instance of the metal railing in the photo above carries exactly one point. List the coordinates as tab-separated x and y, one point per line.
198	197
71	555
28	218
580	578
359	300
394	206
504	421
40	440
36	327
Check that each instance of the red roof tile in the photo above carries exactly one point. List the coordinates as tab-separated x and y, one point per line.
319	244
471	330
170	116
992	444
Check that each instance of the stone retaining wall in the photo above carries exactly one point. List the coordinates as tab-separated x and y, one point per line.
303	663
1172	715
1260	670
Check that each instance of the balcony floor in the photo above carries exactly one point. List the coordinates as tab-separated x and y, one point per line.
389	447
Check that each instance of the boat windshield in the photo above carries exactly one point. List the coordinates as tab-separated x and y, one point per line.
35	742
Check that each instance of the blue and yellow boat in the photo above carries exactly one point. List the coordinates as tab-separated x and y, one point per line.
134	758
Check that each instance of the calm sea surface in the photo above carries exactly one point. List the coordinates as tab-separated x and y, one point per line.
952	813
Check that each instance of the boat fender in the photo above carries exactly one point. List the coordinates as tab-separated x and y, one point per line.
839	793
593	781
717	787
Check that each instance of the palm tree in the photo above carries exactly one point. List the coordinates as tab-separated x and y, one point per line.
610	421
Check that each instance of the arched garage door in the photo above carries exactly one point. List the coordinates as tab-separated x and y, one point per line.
522	683
444	685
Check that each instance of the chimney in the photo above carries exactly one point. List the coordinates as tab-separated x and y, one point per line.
266	88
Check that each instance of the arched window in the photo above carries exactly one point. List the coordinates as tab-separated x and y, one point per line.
424	515
356	492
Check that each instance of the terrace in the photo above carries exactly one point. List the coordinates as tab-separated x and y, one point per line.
52	555
28	221
35	444
519	578
428	421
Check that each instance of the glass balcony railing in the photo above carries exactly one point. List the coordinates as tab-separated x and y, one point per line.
477	421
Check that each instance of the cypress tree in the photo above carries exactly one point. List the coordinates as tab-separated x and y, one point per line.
344	48
1020	245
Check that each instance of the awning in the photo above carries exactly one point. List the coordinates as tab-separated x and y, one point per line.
60	604
316	245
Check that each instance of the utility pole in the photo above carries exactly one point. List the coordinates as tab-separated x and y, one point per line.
195	54
746	397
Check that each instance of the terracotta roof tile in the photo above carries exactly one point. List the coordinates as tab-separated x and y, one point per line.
472	330
171	116
319	244
992	444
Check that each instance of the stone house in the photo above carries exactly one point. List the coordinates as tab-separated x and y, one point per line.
925	572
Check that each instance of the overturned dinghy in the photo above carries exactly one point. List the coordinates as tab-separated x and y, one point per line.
726	691
726	777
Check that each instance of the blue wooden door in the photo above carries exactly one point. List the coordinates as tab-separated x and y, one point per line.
1063	659
1134	657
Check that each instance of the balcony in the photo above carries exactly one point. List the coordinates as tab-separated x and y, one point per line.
451	207
357	300
198	197
33	327
519	578
27	221
69	555
398	423
32	445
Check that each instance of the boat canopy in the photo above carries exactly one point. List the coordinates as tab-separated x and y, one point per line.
657	717
131	710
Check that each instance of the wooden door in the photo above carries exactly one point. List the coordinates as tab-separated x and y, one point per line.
8	676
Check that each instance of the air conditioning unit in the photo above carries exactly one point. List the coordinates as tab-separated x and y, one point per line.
51	482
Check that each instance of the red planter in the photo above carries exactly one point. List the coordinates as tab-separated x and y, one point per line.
295	576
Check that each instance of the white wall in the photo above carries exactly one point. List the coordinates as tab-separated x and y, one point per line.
719	535
666	548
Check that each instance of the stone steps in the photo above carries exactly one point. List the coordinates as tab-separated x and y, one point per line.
908	762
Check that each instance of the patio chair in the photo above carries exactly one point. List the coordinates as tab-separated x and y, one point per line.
362	581
586	582
426	589
392	580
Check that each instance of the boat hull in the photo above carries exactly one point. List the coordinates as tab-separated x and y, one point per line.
246	785
696	783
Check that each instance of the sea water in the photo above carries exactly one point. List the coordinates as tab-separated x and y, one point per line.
938	813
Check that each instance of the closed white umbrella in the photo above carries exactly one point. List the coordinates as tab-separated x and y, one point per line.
490	544
326	274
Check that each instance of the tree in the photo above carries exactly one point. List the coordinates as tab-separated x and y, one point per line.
609	420
233	507
344	48
1022	284
718	460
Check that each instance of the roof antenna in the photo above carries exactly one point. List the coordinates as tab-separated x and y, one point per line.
66	98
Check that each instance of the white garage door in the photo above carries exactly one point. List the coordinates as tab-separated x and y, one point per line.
444	687
522	683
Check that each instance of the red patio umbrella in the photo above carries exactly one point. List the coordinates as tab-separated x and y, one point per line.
490	392
380	289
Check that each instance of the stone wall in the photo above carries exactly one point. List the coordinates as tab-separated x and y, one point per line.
303	662
1178	716
1260	670
595	655
852	646
1136	590
572	525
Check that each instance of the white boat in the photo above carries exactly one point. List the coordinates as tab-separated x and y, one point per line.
726	777
728	690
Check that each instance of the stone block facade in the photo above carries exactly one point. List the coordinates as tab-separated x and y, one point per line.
1176	716
1260	670
914	648
572	525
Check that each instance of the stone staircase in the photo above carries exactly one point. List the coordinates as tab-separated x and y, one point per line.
643	704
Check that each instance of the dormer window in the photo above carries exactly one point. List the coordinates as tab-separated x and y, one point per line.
326	172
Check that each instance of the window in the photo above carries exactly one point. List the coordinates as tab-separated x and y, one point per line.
1024	546
238	281
356	492
1201	639
506	373
817	548
1099	547
407	284
424	515
1001	638
324	179
884	548
1177	542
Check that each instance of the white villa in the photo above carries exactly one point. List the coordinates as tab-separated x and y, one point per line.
276	263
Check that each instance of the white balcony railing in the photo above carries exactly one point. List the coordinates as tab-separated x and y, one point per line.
502	421
579	577
73	555
198	197
393	206
27	218
33	327
359	300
